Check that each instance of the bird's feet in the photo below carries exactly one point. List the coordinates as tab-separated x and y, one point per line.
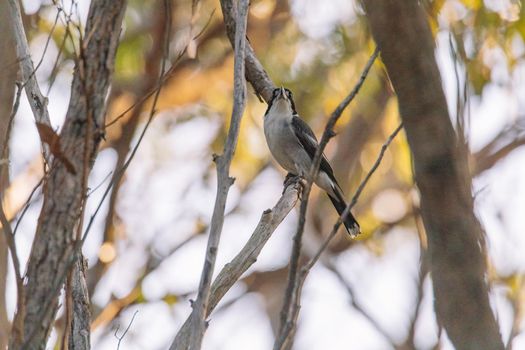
292	179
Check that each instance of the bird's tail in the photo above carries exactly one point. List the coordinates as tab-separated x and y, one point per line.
351	225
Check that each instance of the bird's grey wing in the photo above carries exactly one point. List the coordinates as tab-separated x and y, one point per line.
307	138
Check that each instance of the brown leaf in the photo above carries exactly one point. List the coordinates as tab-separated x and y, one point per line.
51	138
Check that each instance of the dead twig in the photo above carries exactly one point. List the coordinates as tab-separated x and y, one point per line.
126	330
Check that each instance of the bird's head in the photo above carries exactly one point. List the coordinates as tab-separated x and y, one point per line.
282	101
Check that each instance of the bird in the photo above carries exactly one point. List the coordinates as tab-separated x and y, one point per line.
293	145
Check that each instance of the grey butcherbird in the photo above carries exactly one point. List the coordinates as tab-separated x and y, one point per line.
293	144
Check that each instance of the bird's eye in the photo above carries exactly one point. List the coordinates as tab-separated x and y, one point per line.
289	93
275	92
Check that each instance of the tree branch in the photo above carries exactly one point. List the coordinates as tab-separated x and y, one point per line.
151	81
232	271
508	139
455	237
285	339
289	306
7	84
37	101
224	181
255	72
79	334
64	191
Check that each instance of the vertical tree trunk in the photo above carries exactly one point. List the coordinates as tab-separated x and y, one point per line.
455	236
8	65
64	191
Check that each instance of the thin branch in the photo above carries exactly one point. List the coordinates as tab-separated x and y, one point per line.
357	305
27	204
46	45
246	257
54	71
126	330
113	308
36	100
164	78
356	196
224	181
17	329
255	72
289	327
289	304
79	242
507	140
16	104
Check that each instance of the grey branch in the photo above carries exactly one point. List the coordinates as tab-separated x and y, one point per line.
37	101
290	310
120	337
54	247
79	338
255	72
7	97
223	162
232	271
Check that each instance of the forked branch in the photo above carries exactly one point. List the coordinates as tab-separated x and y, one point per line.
200	306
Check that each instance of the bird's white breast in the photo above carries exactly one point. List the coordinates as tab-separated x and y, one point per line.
280	138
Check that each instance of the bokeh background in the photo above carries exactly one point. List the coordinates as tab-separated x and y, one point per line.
146	247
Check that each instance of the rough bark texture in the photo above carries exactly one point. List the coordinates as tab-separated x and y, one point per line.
79	336
224	181
455	236
36	99
255	73
53	246
8	65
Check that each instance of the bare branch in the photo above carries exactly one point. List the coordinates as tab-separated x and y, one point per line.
126	330
54	246
288	329
224	181
507	140
79	333
232	271
26	205
353	202
357	305
7	83
37	101
255	72
288	309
